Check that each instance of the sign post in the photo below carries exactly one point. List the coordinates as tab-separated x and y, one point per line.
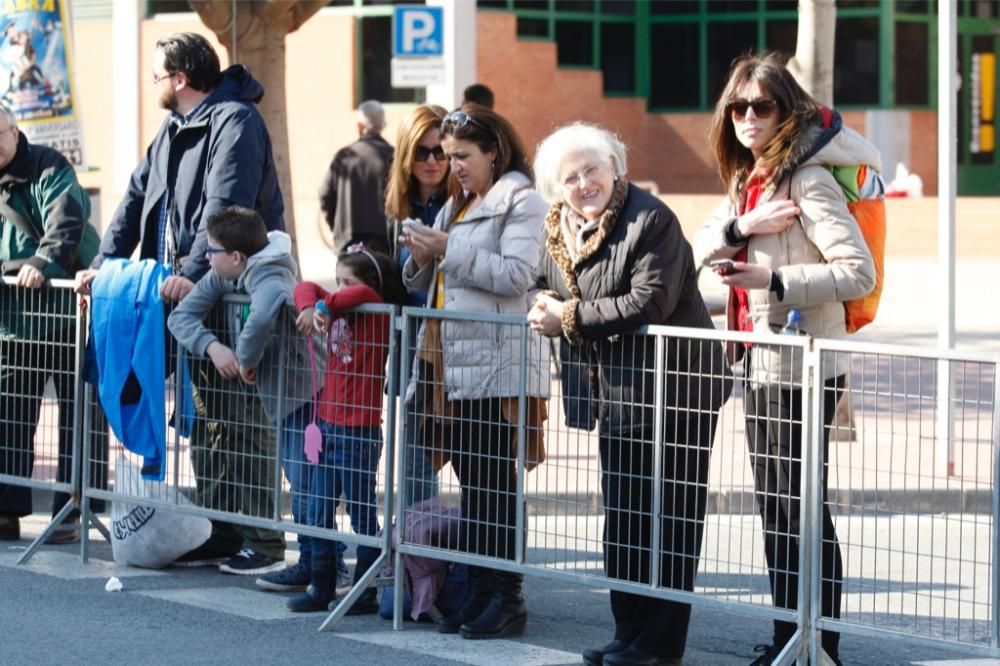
417	46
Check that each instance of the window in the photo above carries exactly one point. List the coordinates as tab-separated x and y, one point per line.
726	42
529	27
575	42
618	57
375	49
686	47
856	62
911	67
673	66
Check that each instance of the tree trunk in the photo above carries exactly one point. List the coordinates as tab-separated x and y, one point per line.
812	65
259	30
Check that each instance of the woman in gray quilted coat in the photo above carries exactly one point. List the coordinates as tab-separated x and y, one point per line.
479	258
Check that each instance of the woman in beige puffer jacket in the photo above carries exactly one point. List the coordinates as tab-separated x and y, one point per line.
795	245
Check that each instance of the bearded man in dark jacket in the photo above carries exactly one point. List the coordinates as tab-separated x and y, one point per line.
213	151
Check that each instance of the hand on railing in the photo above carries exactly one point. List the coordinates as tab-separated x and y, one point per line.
545	316
30	277
83	280
224	359
175	288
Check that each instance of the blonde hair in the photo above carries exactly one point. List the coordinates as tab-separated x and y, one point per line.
576	137
401	180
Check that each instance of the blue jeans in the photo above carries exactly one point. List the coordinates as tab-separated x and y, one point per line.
347	468
298	471
296	467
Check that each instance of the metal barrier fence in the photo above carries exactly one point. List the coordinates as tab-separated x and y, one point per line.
884	547
670	478
233	455
39	409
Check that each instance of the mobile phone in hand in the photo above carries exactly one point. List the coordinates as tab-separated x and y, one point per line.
409	224
723	266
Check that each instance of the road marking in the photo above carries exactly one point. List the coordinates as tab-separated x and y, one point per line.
456	648
251	604
69	566
958	662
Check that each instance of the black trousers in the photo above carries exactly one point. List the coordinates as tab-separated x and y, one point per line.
25	369
479	444
774	433
656	626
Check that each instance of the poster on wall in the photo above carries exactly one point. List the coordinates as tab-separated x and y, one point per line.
36	80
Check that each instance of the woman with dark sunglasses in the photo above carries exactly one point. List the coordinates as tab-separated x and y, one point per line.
479	258
795	246
415	193
418	178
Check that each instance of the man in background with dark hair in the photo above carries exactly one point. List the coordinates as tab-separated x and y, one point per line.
478	93
212	152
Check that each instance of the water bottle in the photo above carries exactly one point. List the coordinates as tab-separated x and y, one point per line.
792	324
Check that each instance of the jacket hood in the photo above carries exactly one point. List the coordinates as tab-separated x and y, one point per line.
236	85
831	143
277	252
498	199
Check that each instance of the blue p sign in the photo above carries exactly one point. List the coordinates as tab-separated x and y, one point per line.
417	31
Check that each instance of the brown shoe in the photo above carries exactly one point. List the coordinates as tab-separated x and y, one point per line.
67	532
10	527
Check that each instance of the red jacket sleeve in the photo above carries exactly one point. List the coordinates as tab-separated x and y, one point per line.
351	297
307	294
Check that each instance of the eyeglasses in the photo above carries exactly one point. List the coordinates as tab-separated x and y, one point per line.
586	174
158	78
457	119
762	107
209	250
423	153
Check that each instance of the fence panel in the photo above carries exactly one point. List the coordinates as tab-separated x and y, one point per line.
234	449
918	539
39	411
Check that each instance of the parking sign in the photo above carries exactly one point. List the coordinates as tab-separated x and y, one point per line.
417	31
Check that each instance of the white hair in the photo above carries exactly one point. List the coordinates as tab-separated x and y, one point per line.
371	115
577	137
8	115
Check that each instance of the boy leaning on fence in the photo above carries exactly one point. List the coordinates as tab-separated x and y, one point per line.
247	259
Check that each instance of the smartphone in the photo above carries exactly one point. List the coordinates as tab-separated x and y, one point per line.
409	224
723	266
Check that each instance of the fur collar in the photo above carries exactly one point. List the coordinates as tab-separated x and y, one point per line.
557	247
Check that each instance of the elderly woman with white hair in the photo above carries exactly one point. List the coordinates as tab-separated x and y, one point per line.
617	260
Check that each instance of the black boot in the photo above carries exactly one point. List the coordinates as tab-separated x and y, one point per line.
367	603
321	591
505	615
477	597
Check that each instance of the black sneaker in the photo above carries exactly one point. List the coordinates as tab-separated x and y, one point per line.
10	527
767	654
203	557
250	563
292	579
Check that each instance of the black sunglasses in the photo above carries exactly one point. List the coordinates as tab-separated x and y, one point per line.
457	119
423	153
762	107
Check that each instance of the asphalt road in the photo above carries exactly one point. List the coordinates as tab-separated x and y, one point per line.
55	610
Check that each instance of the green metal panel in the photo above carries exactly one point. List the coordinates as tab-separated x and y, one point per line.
642	59
886	55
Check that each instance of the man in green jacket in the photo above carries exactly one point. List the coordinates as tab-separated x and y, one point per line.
44	234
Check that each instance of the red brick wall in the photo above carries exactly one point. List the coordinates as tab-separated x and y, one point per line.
537	96
668	148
